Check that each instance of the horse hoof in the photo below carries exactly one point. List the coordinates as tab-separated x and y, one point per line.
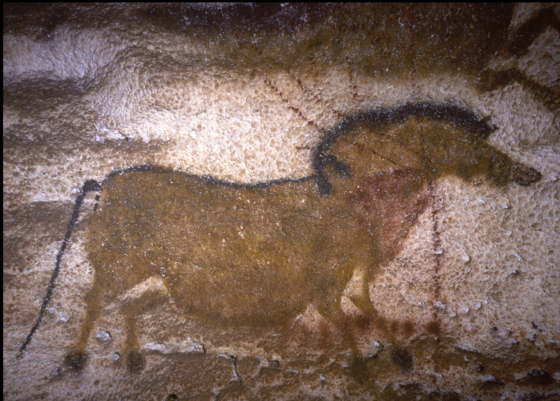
76	360
135	361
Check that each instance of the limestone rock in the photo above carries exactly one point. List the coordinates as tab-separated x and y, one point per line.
345	201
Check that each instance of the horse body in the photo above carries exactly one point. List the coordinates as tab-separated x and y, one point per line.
245	255
259	255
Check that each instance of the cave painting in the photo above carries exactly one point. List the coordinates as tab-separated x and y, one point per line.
254	255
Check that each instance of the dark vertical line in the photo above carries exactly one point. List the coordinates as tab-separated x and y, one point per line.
89	186
353	87
436	247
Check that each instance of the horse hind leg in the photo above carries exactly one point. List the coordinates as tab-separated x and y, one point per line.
134	359
76	358
154	290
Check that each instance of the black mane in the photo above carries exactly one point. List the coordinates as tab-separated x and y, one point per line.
456	115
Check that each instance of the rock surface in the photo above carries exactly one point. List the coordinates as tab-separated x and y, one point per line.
463	298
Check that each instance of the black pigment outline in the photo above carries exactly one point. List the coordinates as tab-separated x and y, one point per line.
385	117
92	186
321	159
89	186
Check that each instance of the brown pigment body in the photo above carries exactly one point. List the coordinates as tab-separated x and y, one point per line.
247	256
259	255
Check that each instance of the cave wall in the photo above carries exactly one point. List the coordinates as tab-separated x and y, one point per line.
244	94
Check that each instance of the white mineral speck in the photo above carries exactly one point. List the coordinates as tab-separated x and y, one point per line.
194	348
376	347
104	337
440	305
164	349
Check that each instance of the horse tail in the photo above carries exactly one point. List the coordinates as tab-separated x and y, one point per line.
89	186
